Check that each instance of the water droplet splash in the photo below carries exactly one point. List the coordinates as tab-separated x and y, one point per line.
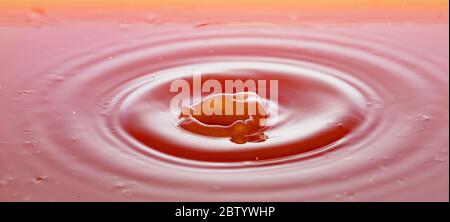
216	116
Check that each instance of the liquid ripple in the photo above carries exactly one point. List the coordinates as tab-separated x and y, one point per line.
355	114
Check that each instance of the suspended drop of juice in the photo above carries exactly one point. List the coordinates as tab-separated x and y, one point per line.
124	26
36	14
152	18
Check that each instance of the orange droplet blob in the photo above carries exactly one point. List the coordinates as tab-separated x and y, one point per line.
242	117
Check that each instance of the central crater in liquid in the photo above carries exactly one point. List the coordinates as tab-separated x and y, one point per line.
242	117
314	111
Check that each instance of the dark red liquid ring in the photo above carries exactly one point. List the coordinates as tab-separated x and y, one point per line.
327	111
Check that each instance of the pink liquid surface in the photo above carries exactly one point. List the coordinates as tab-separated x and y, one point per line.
85	110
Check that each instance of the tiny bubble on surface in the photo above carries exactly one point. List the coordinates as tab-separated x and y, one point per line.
423	117
152	18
